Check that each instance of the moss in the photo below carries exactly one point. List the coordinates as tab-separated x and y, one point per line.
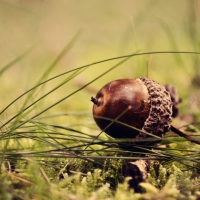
185	180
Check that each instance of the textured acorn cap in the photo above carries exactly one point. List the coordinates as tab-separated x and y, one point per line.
160	115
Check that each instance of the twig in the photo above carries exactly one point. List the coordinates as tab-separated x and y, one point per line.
187	137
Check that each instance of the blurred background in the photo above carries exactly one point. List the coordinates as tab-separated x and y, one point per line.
107	29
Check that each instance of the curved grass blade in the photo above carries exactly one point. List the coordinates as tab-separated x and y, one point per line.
38	100
50	68
11	64
64	98
95	63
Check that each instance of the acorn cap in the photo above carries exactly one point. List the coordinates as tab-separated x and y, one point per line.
160	115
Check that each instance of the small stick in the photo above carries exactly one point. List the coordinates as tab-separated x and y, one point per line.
137	171
187	137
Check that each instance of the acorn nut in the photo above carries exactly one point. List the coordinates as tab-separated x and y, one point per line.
141	103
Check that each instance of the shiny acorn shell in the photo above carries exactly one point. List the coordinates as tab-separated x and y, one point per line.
141	103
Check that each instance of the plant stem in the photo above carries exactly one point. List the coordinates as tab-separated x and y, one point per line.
187	137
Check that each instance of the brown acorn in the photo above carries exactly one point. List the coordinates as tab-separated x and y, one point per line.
141	103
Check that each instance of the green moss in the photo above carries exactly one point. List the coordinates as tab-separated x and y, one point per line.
185	181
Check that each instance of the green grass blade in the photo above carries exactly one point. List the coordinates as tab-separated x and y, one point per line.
42	97
96	63
70	94
11	64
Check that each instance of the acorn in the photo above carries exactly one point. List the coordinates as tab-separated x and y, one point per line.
128	108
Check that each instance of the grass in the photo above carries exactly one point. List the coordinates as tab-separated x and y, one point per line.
50	146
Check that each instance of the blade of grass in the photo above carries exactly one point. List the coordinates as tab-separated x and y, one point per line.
11	64
8	133
112	121
171	39
51	67
95	63
42	97
64	98
122	123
